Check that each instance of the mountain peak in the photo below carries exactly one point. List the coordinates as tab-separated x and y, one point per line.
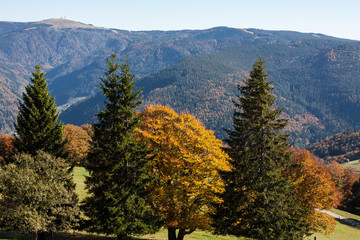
65	23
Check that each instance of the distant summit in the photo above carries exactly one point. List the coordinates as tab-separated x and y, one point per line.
65	23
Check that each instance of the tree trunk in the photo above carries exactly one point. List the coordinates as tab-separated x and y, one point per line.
40	236
181	234
122	237
171	233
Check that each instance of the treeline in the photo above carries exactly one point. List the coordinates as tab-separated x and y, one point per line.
158	168
343	147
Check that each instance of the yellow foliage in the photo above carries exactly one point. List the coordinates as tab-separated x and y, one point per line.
186	164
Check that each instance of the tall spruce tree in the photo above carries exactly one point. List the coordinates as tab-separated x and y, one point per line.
38	130
258	201
37	124
117	162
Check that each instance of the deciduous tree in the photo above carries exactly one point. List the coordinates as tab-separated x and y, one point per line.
344	179
117	162
186	164
315	190
6	148
89	129
259	202
37	124
34	195
77	143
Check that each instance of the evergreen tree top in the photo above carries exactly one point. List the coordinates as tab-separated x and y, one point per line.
254	113
37	124
121	100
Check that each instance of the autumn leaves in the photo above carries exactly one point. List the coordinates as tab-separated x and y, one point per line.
186	164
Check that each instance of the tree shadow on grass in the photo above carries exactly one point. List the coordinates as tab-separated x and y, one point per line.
60	236
350	222
14	236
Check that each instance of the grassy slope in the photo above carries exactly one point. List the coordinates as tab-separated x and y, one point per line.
342	231
346	214
353	164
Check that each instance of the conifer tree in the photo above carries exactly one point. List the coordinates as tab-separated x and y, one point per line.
117	162
258	200
38	129
37	124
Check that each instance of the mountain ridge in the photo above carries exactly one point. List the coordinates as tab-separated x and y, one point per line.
65	23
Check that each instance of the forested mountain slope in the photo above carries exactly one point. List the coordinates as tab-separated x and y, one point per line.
316	83
73	55
343	147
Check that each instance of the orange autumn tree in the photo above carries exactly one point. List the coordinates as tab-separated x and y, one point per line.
78	143
89	129
315	190
186	164
6	148
344	179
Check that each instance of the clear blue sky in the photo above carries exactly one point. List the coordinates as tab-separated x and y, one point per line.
339	18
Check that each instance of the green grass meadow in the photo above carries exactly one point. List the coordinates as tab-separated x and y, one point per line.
79	178
354	165
342	231
346	214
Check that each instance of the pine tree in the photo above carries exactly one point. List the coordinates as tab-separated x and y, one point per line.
37	124
117	162
258	201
